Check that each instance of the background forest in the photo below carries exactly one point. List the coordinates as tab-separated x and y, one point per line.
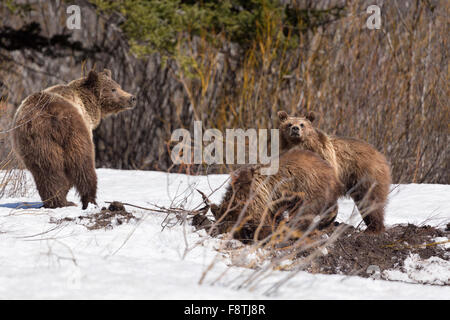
235	63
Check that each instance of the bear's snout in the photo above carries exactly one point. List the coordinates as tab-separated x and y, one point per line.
295	131
133	101
130	102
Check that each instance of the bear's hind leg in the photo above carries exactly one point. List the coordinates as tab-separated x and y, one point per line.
81	171
44	159
79	159
53	187
371	204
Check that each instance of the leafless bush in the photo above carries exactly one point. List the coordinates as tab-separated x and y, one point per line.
387	86
12	179
287	247
383	86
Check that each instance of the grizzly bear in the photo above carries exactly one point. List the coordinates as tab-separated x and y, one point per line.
305	187
364	172
53	135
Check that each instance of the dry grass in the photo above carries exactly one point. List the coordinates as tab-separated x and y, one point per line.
340	249
286	248
12	178
387	87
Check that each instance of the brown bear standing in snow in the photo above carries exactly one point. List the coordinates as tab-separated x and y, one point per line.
305	187
363	171
53	135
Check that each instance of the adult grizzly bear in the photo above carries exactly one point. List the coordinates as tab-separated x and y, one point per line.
305	187
53	135
364	172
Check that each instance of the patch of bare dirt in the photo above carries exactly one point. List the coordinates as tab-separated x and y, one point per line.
107	218
356	252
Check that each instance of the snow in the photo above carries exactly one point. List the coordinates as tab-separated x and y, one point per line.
433	270
40	259
418	204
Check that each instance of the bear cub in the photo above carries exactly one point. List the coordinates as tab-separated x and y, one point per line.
53	135
303	194
364	172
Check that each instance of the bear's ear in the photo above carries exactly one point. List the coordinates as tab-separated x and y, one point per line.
91	79
310	116
234	177
282	115
239	176
214	209
107	72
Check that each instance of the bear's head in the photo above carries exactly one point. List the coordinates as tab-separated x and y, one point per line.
238	192
243	177
295	130
111	97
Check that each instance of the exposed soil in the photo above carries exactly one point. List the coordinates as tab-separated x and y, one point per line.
354	252
107	218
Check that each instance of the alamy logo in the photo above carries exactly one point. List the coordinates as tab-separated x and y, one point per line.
189	151
374	21
74	20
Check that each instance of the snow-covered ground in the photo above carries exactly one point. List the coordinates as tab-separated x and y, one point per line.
42	259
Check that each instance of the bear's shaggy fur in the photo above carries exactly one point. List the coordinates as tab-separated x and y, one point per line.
53	135
305	187
364	172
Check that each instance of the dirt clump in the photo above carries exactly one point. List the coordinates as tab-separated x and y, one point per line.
345	250
107	218
354	251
